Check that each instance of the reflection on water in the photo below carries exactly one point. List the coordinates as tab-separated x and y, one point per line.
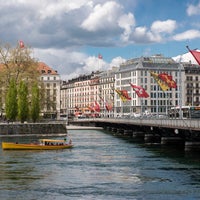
100	166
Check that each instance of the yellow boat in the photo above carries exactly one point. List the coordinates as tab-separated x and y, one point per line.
43	144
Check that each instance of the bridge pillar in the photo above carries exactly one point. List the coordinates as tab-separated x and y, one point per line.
114	130
128	132
172	141
151	138
108	128
138	136
192	146
120	131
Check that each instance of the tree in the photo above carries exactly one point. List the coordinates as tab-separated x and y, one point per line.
23	110
35	102
11	101
16	64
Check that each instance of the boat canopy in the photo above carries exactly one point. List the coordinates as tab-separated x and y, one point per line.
50	140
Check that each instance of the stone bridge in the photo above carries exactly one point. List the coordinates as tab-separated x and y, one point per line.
165	131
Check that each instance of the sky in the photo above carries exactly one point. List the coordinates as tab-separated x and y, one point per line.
68	35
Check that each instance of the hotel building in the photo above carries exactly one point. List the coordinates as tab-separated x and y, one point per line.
137	72
51	85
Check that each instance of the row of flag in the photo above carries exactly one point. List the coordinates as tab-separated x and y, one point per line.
164	80
95	107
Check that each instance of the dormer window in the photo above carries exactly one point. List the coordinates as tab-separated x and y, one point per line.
49	71
43	71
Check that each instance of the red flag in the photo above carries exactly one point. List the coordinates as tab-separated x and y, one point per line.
21	44
97	107
76	108
140	91
167	79
100	56
196	54
91	108
109	105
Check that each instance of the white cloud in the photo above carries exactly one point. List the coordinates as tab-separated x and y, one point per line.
59	30
126	21
187	35
117	61
167	26
193	9
143	35
93	63
102	17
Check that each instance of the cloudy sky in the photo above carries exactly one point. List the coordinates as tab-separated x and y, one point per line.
68	35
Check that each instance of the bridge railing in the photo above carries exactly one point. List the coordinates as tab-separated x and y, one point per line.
193	124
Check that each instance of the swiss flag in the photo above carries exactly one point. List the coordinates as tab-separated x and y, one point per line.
140	91
97	107
100	56
21	44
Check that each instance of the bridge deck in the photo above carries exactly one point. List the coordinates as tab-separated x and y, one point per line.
186	124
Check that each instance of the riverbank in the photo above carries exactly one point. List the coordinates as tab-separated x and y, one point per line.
33	129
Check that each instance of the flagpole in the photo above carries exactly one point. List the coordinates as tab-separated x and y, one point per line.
157	101
180	91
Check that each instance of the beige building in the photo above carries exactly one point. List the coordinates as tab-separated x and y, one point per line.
137	72
106	91
51	82
78	95
192	84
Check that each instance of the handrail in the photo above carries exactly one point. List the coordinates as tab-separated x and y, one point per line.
188	124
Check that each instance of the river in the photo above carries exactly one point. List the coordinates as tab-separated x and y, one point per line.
100	167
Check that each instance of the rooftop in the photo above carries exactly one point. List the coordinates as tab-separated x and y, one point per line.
45	69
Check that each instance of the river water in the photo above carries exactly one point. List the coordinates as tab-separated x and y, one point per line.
100	167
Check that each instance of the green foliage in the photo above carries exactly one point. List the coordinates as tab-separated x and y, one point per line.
23	110
18	70
11	101
35	102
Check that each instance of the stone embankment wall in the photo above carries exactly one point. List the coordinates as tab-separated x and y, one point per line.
32	129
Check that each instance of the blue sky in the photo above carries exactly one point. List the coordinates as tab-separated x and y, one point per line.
68	35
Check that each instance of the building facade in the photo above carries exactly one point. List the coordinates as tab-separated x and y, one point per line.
51	86
106	91
192	84
78	94
137	71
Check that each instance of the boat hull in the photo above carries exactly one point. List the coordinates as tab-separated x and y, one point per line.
15	146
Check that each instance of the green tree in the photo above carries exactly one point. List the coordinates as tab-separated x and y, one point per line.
23	110
11	101
35	102
16	63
